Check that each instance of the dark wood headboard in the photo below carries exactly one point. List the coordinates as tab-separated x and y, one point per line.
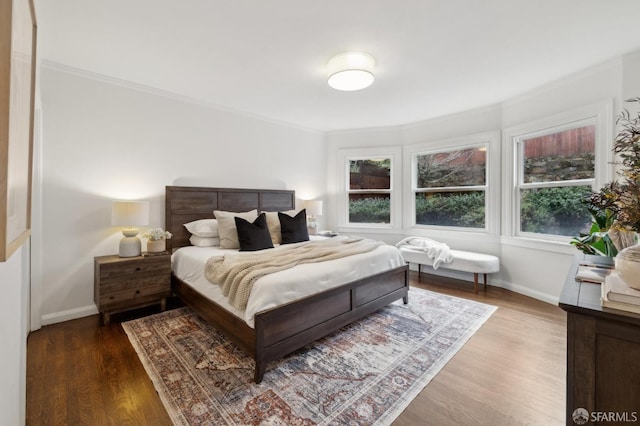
184	204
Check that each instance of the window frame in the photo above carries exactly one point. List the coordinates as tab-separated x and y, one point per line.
489	140
347	155
600	115
367	191
465	188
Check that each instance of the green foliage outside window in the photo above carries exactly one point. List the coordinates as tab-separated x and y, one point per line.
462	209
370	210
555	211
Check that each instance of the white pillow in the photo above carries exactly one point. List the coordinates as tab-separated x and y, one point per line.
204	241
203	228
227	226
273	222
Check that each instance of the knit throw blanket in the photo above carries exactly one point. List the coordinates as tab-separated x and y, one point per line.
236	273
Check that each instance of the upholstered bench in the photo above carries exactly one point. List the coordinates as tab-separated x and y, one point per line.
464	261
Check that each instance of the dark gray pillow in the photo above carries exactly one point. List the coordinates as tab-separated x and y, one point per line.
293	229
253	236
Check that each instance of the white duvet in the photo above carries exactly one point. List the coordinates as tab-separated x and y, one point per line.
284	286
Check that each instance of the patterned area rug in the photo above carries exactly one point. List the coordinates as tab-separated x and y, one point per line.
365	373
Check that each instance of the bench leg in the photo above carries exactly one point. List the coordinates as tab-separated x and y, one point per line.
419	272
475	282
485	282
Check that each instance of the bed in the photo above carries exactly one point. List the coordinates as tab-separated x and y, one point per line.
280	330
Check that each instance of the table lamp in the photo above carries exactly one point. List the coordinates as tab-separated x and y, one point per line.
130	214
314	208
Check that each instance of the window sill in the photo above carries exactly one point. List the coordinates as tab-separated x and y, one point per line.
561	247
539	244
368	229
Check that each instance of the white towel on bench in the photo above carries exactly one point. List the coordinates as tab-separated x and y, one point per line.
437	251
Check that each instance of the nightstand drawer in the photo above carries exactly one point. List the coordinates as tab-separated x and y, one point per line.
133	296
133	270
120	284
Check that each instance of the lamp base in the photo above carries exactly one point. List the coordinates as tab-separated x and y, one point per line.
312	226
130	246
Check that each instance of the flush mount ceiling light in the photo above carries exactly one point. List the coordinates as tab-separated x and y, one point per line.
351	71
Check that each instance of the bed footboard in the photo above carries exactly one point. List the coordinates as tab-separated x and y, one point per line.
282	330
234	328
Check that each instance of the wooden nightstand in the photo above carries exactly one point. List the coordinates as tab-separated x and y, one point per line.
123	283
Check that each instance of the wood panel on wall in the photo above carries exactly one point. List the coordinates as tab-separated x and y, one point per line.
17	94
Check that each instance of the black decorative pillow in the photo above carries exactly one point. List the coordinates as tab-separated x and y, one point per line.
253	236
293	229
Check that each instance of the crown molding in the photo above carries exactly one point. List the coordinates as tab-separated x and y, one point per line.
103	78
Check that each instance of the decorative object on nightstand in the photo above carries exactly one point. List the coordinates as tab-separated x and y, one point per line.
157	240
121	284
130	214
327	233
314	208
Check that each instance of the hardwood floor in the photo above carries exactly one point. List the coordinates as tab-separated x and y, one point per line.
512	371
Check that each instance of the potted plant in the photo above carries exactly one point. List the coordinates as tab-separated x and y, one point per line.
157	240
598	241
617	205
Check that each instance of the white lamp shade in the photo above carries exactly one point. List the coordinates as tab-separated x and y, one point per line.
313	207
351	71
130	213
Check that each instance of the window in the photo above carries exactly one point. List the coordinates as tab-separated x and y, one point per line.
555	170
453	185
368	182
450	187
369	191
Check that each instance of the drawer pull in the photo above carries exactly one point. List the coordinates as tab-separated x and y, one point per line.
110	297
137	291
137	269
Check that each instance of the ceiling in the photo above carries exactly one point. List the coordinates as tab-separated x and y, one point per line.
268	58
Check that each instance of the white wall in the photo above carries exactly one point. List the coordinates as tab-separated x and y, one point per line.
630	80
537	270
521	262
105	141
14	279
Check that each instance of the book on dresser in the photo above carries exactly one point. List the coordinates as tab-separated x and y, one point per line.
616	294
592	273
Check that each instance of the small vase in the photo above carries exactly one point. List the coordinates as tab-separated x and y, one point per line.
628	266
622	238
156	246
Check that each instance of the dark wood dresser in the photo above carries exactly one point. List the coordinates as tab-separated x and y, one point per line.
603	351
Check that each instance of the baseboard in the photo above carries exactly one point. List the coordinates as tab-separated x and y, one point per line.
516	288
71	314
526	291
